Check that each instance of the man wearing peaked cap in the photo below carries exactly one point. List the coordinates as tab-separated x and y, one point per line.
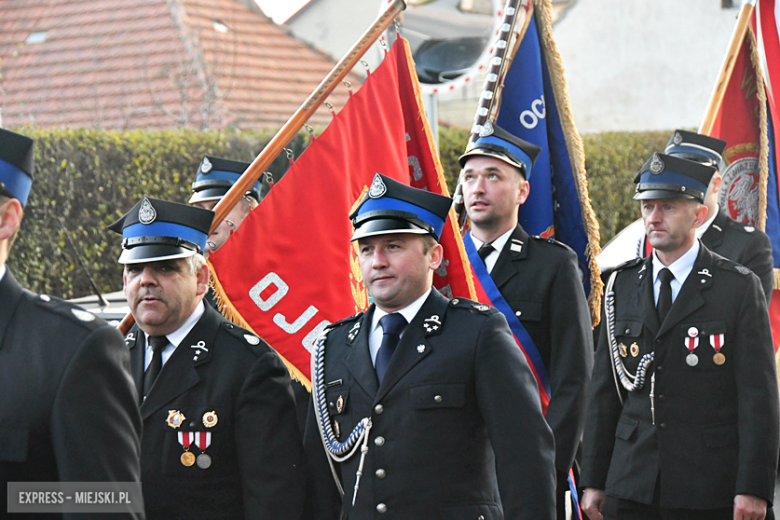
68	410
214	178
722	234
221	438
425	407
683	420
539	280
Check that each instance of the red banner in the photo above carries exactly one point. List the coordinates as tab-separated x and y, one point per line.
290	269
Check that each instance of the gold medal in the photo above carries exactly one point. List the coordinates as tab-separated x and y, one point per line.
187	458
340	404
634	350
175	418
623	350
210	419
719	358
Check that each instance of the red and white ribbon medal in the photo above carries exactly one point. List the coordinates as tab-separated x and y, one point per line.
691	342
717	341
203	441
186	439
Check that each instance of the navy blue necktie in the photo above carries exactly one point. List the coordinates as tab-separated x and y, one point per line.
392	327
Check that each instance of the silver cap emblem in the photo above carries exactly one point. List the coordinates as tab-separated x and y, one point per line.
205	166
677	139
378	188
146	214
656	165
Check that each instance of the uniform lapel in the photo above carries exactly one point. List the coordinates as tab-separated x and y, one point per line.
713	237
179	373
414	347
516	248
358	358
689	298
135	340
10	294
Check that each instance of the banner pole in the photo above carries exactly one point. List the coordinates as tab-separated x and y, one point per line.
719	90
296	122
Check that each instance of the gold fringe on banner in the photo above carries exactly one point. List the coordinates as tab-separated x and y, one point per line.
576	152
230	312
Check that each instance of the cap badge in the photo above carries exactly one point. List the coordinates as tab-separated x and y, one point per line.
205	166
146	214
656	165
378	188
677	139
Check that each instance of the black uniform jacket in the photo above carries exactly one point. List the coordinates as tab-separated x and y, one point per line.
68	408
457	424
716	426
541	282
744	245
255	446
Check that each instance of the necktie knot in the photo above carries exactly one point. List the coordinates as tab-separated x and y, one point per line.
485	250
665	275
158	343
393	324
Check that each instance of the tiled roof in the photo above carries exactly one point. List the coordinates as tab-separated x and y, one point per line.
153	64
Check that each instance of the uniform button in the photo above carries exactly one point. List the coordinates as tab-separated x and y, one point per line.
379	409
437	398
662	397
628	331
659	368
379	441
518	314
658	342
380	473
481	517
662	425
381	508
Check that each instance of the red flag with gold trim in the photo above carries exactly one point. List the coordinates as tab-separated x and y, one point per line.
290	269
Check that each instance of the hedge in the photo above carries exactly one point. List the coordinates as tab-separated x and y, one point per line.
87	178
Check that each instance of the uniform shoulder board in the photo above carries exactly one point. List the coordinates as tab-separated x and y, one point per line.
69	311
550	240
628	264
339	323
730	265
472	306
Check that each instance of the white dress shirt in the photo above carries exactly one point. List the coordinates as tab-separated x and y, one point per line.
681	268
175	337
408	312
498	245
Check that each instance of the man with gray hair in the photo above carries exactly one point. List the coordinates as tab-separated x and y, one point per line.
221	438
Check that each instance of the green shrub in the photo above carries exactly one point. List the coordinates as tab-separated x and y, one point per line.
87	178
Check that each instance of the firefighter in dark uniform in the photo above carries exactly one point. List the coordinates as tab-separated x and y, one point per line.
426	408
683	418
220	438
68	410
214	178
739	242
539	279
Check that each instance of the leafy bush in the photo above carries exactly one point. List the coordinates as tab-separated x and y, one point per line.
87	178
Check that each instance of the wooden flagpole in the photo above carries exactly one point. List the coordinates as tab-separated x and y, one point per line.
737	37
296	122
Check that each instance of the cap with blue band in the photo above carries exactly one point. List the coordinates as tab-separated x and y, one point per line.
16	165
156	230
216	176
393	207
697	147
667	177
496	142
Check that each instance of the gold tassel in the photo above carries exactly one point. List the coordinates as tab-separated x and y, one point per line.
763	156
227	309
576	153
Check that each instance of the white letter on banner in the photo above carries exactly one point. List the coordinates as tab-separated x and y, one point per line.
292	328
281	290
311	337
537	103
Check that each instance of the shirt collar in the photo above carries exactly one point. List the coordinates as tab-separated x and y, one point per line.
498	244
178	335
704	227
2	272
408	312
681	268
